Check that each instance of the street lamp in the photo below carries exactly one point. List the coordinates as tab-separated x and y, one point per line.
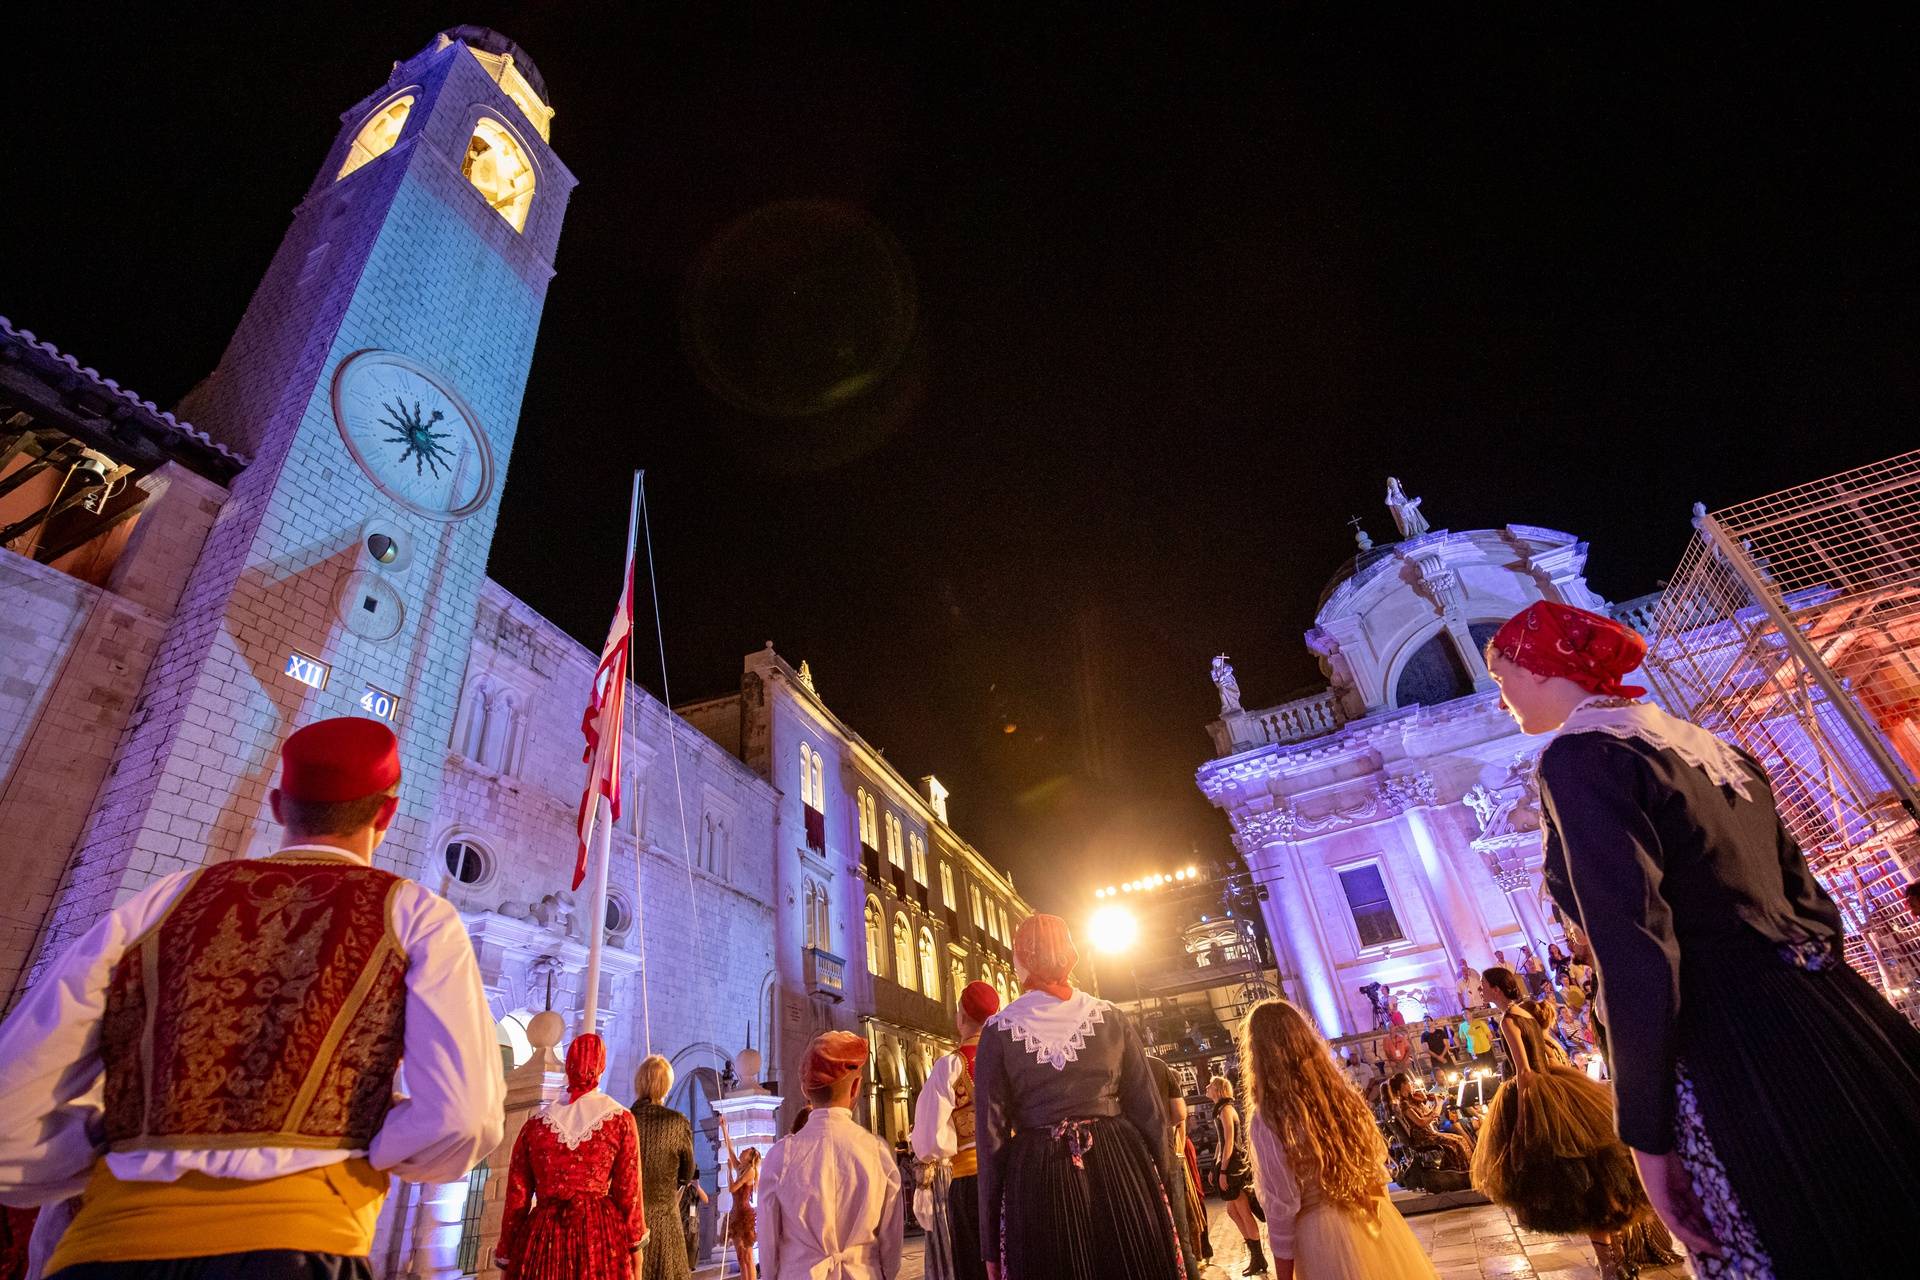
1113	929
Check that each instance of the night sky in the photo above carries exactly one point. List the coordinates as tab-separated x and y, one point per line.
1008	373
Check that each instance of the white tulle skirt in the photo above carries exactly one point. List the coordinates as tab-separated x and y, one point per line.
1332	1244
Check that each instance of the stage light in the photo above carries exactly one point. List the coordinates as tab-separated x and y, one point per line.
1113	929
1192	873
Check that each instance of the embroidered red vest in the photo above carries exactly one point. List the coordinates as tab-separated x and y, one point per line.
265	1009
966	1162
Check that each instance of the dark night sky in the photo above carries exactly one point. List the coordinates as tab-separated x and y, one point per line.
1184	292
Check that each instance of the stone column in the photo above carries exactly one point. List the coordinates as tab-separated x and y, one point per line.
1289	910
1460	925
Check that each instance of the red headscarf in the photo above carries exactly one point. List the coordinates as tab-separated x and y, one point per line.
1044	947
1593	651
586	1061
979	1001
831	1055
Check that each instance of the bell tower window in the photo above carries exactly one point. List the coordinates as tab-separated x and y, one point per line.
499	169
378	134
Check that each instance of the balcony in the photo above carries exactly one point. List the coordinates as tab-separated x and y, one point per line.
826	974
1201	970
894	1003
870	862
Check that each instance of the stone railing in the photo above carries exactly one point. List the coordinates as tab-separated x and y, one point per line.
1637	613
1294	721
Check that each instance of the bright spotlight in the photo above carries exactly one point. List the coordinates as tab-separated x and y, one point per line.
1113	929
1192	873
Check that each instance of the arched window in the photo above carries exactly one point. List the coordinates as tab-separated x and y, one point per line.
1006	934
956	979
499	170
929	966
806	776
863	815
1434	674
902	952
806	919
819	790
822	922
946	886
918	844
895	853
876	944
377	135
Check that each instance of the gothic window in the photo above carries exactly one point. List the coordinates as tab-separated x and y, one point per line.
1006	934
1371	905
918	844
956	979
1433	675
497	166
491	729
467	862
979	917
929	966
819	791
895	853
470	726
902	952
946	885
872	828
993	923
822	921
863	812
806	775
377	135
876	944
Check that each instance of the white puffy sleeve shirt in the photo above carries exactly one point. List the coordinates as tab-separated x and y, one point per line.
450	1118
1273	1178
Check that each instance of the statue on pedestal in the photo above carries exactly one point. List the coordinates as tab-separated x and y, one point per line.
1229	688
1406	511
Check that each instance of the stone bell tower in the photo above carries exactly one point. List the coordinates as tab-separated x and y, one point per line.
374	383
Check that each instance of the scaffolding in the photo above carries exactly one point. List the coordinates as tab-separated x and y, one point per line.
1792	627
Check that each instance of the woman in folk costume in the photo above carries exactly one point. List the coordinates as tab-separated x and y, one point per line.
1069	1131
1770	1095
573	1209
1319	1159
1547	1149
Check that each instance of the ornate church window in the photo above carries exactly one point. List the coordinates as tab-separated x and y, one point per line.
876	947
619	916
929	966
1372	907
902	952
499	170
377	135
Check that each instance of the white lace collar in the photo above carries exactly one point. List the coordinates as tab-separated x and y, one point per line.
1052	1030
575	1122
1642	720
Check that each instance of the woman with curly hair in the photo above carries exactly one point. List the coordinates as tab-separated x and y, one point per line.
1319	1160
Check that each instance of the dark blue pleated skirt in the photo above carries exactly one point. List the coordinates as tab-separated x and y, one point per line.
1102	1216
1808	1086
260	1264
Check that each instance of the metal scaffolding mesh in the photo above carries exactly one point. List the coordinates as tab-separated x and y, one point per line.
1839	560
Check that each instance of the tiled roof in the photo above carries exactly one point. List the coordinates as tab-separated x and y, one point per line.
44	359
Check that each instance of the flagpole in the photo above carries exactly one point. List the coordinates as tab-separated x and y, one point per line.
640	837
603	812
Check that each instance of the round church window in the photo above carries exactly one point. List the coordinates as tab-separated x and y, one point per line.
467	862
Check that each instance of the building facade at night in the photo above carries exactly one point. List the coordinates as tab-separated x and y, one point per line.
1393	818
886	911
307	536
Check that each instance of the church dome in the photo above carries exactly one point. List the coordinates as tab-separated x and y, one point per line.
487	40
1352	569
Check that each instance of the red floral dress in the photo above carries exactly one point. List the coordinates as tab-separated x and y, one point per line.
573	1213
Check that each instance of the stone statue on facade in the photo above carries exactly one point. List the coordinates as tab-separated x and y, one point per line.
1490	809
556	912
1223	680
1406	511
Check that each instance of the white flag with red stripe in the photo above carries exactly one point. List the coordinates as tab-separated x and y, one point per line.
606	708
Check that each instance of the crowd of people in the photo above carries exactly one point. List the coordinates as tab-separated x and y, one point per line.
209	1082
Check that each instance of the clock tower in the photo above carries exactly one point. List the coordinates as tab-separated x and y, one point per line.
374	385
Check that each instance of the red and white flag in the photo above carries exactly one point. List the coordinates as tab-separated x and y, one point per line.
606	707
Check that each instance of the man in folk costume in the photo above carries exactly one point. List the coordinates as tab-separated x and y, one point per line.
212	1067
573	1208
943	1130
830	1193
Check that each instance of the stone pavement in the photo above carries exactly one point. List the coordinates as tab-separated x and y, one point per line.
1465	1244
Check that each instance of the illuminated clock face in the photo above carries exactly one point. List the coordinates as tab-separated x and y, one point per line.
412	435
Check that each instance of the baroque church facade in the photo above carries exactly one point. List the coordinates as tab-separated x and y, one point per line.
307	535
1393	818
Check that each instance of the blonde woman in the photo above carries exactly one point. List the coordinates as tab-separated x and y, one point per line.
1319	1160
666	1167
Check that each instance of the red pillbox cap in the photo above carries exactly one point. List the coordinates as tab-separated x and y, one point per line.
339	759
